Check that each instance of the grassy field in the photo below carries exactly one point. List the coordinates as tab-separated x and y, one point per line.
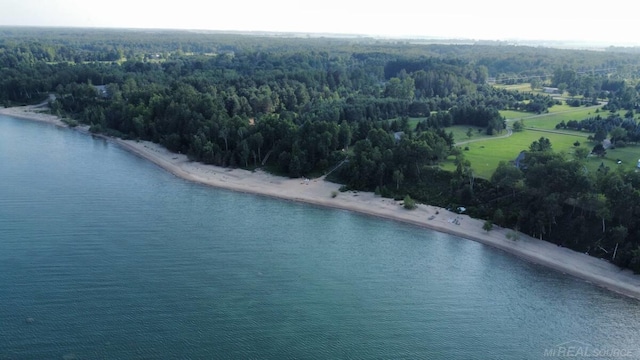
486	155
514	114
557	110
524	87
561	108
413	121
549	121
460	133
628	155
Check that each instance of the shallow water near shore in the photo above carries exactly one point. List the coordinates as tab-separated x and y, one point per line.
105	255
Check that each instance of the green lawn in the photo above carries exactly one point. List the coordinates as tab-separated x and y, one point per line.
460	133
561	108
486	155
413	121
629	156
549	121
556	116
513	114
524	87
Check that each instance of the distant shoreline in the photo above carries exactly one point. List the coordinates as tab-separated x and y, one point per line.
319	192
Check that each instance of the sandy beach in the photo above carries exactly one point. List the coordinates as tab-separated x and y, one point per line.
319	192
33	112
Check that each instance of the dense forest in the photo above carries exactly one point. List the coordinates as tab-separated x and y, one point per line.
304	106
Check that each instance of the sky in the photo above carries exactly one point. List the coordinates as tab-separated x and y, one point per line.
611	22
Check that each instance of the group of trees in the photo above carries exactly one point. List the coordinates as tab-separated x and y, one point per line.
622	131
301	107
597	84
553	198
297	111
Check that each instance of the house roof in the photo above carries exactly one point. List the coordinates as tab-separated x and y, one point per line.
519	159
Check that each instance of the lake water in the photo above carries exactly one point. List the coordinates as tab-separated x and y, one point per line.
105	256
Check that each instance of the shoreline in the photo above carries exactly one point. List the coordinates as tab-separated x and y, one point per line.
319	192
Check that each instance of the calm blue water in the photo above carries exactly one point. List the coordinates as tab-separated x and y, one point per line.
104	255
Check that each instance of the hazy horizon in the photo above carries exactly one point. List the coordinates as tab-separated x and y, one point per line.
491	20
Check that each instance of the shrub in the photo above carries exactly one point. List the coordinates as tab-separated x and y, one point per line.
513	235
409	203
70	122
96	129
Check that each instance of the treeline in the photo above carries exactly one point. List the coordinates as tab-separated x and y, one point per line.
297	113
553	198
622	131
593	86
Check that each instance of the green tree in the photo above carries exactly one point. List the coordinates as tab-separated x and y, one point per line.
498	217
507	177
224	134
618	134
535	83
562	87
599	150
635	260
541	145
487	226
245	152
581	153
295	167
600	135
344	135
398	177
400	88
513	235
409	203
464	170
601	209
256	140
518	125
617	235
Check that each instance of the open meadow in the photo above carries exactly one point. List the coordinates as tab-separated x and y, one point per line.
485	154
555	115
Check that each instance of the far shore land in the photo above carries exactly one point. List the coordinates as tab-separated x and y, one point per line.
319	192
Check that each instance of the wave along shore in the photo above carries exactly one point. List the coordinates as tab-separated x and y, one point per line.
319	192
